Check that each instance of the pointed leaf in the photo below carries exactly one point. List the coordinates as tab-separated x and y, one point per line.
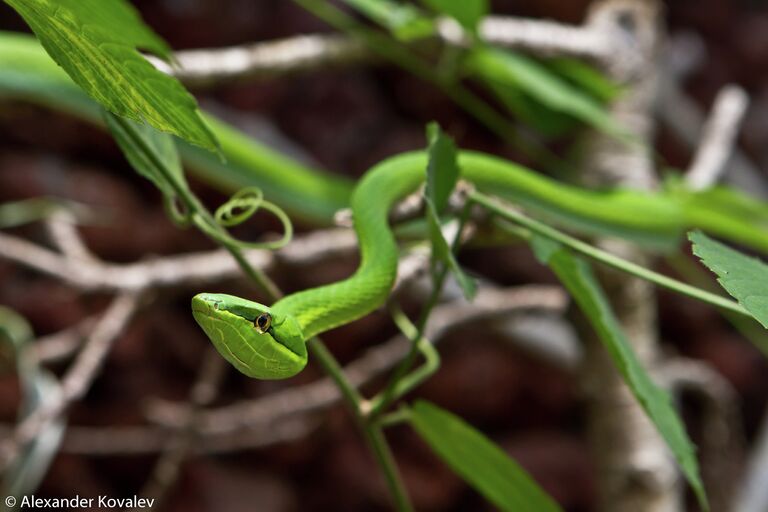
576	275
514	70
481	463
441	252
442	169
744	277
96	42
150	152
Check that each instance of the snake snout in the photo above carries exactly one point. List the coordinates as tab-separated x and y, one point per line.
204	302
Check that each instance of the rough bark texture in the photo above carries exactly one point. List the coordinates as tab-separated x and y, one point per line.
635	469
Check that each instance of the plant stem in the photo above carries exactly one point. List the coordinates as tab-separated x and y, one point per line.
605	257
394	388
407	383
372	433
398	384
402	415
333	369
200	214
378	443
206	223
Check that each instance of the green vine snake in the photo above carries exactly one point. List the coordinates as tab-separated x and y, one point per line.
270	342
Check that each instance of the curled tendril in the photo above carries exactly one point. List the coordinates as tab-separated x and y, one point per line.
176	211
240	207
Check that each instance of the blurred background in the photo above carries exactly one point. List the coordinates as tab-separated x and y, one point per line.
345	119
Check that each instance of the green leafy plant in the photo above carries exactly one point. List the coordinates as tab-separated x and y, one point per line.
98	45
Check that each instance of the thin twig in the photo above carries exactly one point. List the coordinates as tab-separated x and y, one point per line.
193	269
538	37
267	59
752	495
721	445
264	59
285	415
685	118
718	138
204	391
144	440
78	378
62	344
62	228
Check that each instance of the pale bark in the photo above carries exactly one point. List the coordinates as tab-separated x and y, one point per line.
635	471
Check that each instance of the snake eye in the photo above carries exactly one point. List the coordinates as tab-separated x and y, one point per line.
262	323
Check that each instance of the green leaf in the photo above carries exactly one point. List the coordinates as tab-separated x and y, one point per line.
576	275
404	21
744	277
39	387
15	331
481	463
468	13
442	175
441	252
530	112
27	471
96	42
442	169
514	70
585	76
150	152
28	73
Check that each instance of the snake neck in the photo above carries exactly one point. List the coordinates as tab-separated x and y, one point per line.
320	309
323	308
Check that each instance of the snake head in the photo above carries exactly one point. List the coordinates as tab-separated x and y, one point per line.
254	339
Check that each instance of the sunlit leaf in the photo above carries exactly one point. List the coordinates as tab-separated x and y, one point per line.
403	20
97	43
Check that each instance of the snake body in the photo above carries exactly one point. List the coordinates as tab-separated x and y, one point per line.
279	351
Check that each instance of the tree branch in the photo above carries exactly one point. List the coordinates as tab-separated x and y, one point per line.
267	59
